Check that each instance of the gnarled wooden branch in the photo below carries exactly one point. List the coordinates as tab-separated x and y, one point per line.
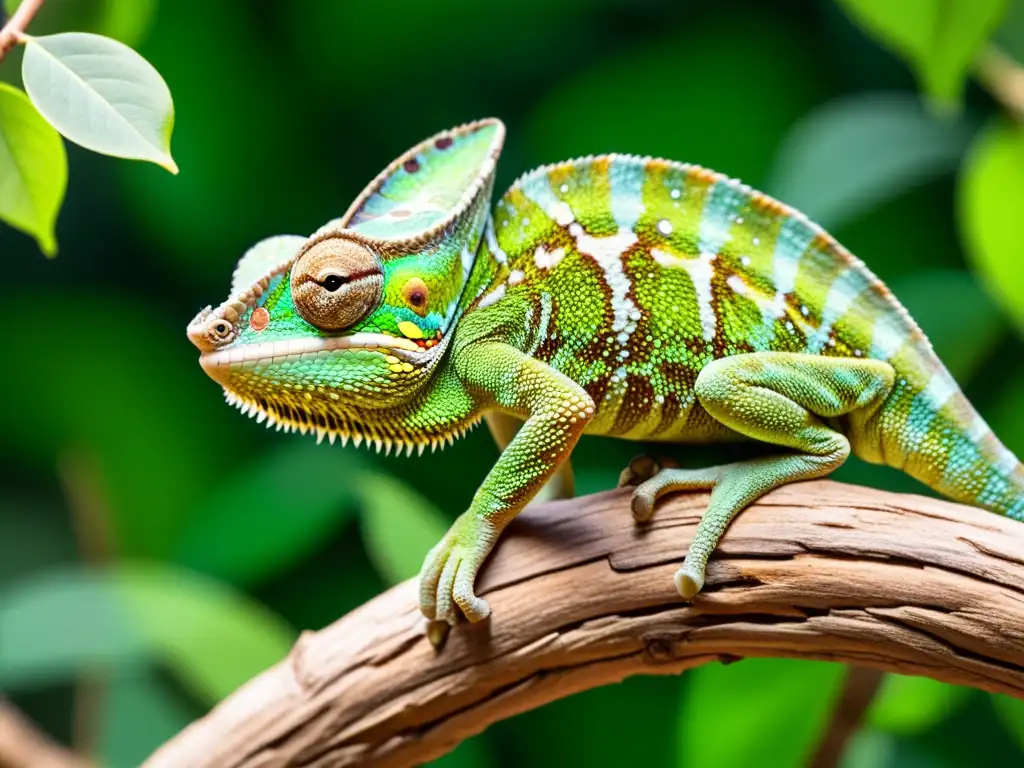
582	597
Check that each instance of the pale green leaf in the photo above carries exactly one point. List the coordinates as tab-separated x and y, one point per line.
858	152
763	712
212	637
126	20
991	192
33	169
268	514
399	526
939	38
101	94
909	705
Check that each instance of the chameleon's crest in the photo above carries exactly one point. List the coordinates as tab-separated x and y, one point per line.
370	297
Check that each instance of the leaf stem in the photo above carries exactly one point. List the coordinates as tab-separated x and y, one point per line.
13	31
1003	78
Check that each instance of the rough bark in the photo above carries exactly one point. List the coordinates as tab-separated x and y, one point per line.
582	597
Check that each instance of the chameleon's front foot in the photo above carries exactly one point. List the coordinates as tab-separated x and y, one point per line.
450	568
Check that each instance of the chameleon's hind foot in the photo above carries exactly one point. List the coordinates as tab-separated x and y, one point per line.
663	480
643	467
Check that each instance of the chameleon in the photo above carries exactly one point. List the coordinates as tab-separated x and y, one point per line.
613	295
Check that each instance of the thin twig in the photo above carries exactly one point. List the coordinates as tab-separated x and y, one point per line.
24	746
81	479
860	687
1003	78
14	30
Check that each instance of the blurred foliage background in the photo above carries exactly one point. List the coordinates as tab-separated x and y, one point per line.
157	550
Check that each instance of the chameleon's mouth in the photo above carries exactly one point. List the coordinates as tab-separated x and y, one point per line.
276	352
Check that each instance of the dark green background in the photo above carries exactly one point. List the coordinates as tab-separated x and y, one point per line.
115	449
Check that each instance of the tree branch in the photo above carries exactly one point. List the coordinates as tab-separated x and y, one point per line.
582	597
15	27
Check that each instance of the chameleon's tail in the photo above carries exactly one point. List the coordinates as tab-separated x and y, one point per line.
935	435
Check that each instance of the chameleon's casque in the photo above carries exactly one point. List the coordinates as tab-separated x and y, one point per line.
612	295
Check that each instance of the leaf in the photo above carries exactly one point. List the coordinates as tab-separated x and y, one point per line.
398	525
860	151
101	94
990	192
125	20
909	705
265	516
764	712
33	169
211	636
940	38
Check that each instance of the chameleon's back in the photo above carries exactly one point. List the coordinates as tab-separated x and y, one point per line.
634	274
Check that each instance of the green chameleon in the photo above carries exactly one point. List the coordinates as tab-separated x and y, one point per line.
613	295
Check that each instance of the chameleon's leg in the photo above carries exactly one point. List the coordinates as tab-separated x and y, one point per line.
503	428
556	410
779	398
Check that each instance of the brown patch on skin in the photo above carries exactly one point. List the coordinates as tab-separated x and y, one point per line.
411	166
416	294
259	319
443	143
401	213
636	404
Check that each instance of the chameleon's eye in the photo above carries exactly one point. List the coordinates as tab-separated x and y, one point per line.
220	331
336	283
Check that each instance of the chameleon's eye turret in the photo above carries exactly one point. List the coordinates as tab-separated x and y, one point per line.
336	283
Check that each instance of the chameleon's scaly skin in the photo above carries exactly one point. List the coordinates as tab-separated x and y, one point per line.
612	295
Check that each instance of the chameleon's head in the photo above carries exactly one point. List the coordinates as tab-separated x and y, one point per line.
339	332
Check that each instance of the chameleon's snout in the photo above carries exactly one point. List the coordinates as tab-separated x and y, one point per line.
210	330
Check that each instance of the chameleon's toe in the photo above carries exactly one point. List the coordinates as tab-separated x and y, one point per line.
642	503
430	576
689	581
474	608
643	467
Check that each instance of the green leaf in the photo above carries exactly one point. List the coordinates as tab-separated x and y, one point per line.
126	20
908	705
763	712
990	195
265	516
940	38
398	525
33	169
101	94
211	636
1011	712
858	152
